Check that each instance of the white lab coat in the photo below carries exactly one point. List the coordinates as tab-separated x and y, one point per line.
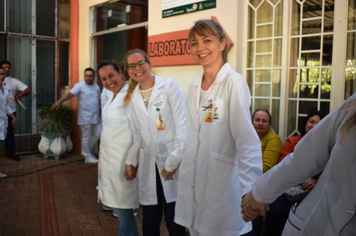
4	109
329	209
222	158
116	139
105	95
159	147
88	103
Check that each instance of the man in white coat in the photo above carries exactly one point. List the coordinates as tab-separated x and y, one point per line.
88	94
14	86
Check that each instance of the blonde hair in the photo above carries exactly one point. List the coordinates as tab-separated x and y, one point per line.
204	27
350	123
132	83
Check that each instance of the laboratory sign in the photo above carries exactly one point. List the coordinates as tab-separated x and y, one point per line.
174	7
170	49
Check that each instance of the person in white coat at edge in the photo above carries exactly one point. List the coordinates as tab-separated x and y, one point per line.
329	208
117	137
222	155
160	109
4	110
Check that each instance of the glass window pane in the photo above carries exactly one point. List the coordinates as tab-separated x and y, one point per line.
309	75
263	90
293	83
264	31
249	80
262	103
251	23
263	60
294	52
351	48
307	106
112	14
263	46
265	13
255	3
263	76
277	52
64	11
20	15
2	47
311	43
311	27
306	91
296	11
329	16
64	64
291	119
312	8
45	11
310	59
327	50
325	83
275	115
278	23
351	15
350	81
325	107
20	55
2	15
250	54
45	65
276	83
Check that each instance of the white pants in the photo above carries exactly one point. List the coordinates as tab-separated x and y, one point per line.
90	135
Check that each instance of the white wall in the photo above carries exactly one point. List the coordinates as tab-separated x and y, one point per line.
226	13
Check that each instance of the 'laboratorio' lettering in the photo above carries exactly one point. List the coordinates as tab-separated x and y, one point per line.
169	48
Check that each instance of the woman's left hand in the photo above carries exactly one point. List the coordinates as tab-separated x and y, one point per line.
167	175
308	184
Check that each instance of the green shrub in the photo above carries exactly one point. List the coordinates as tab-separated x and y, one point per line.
56	121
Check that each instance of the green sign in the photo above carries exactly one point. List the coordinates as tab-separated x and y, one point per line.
188	8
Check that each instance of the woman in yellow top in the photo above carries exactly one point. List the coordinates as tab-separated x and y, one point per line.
270	142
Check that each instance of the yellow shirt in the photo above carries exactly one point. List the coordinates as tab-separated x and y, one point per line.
271	146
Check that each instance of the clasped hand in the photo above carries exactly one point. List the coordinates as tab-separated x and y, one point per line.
250	208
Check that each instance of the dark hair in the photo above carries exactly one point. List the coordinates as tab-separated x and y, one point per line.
204	27
310	114
122	66
3	62
108	63
260	109
90	69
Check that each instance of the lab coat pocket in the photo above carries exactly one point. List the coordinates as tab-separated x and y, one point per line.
218	111
223	192
294	225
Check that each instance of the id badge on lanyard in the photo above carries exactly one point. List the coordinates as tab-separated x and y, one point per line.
160	120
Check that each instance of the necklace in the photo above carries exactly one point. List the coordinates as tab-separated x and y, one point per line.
143	91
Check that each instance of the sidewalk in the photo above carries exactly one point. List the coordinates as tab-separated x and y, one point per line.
46	197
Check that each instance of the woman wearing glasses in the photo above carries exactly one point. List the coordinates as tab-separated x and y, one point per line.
160	111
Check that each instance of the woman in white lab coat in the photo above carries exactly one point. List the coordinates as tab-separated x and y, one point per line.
330	207
4	110
222	150
117	137
160	110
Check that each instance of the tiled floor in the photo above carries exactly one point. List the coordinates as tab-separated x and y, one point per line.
48	197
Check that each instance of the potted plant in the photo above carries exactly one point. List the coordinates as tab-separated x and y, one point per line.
55	130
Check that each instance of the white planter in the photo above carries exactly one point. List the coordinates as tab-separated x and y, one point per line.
56	145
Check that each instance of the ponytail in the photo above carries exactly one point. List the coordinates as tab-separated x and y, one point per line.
128	96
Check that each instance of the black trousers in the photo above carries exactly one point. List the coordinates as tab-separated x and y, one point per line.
152	215
10	137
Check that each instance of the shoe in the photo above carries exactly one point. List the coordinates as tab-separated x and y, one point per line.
106	208
15	158
113	213
135	213
91	160
2	175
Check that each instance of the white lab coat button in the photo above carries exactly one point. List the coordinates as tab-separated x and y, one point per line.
350	211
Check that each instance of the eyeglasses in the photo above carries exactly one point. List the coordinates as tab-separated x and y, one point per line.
132	66
88	76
